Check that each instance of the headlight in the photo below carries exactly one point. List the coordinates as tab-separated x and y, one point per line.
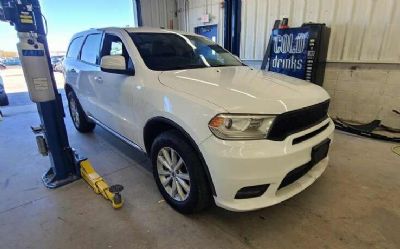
240	127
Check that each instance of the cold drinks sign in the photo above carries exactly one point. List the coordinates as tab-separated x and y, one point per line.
290	52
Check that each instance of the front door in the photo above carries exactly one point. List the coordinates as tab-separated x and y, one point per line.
116	91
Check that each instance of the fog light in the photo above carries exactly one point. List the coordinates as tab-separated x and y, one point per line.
251	191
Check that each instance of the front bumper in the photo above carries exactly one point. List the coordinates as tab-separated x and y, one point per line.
237	164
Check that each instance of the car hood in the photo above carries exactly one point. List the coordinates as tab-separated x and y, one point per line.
245	90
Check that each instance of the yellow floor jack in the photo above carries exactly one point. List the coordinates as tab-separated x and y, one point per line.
87	172
100	186
84	168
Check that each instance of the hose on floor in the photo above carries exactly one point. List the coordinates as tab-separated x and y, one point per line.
396	150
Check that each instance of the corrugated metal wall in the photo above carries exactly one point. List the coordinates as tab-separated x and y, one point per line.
186	14
159	13
182	14
362	30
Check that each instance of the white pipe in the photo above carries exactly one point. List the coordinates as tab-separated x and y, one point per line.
187	15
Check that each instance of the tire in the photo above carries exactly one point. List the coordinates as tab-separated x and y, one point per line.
4	99
78	116
199	195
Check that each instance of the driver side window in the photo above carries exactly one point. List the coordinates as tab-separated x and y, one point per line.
116	48
113	45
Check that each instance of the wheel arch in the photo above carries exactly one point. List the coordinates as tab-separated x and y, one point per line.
157	125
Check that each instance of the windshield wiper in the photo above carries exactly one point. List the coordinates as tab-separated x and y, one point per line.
188	67
227	65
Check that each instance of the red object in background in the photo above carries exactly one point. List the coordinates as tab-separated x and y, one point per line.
284	24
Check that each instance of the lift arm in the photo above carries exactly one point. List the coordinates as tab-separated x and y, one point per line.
66	166
26	17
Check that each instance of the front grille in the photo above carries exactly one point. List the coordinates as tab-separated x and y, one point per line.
295	121
309	135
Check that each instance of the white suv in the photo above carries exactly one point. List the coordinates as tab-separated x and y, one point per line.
214	128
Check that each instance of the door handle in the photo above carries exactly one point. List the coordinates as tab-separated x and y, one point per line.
98	79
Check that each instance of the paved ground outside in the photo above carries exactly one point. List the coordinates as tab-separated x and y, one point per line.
16	88
355	204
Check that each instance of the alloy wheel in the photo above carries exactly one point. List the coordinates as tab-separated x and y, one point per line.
173	174
74	111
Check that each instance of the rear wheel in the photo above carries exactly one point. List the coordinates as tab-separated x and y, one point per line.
79	118
3	99
179	174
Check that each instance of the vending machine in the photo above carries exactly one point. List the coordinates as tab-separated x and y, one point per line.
298	52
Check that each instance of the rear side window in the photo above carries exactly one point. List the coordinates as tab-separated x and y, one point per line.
75	47
91	48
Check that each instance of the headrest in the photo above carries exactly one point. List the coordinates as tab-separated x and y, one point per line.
163	49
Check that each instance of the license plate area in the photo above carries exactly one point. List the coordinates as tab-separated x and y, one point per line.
320	151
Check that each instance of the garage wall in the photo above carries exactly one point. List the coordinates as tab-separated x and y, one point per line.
362	30
186	14
182	14
364	92
198	8
159	13
363	70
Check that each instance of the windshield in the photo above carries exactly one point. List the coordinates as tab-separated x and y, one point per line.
172	51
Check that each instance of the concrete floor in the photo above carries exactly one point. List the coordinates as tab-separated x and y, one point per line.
355	204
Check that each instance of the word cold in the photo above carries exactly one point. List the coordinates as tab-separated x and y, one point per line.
287	44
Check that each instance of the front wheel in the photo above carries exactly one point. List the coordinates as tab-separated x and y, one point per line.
179	174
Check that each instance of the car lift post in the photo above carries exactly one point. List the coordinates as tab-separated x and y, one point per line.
66	166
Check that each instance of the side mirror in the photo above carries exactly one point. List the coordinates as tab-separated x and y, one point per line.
114	64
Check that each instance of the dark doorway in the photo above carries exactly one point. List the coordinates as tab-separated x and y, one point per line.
138	12
232	26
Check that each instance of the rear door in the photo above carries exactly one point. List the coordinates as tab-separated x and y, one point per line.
88	70
71	61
